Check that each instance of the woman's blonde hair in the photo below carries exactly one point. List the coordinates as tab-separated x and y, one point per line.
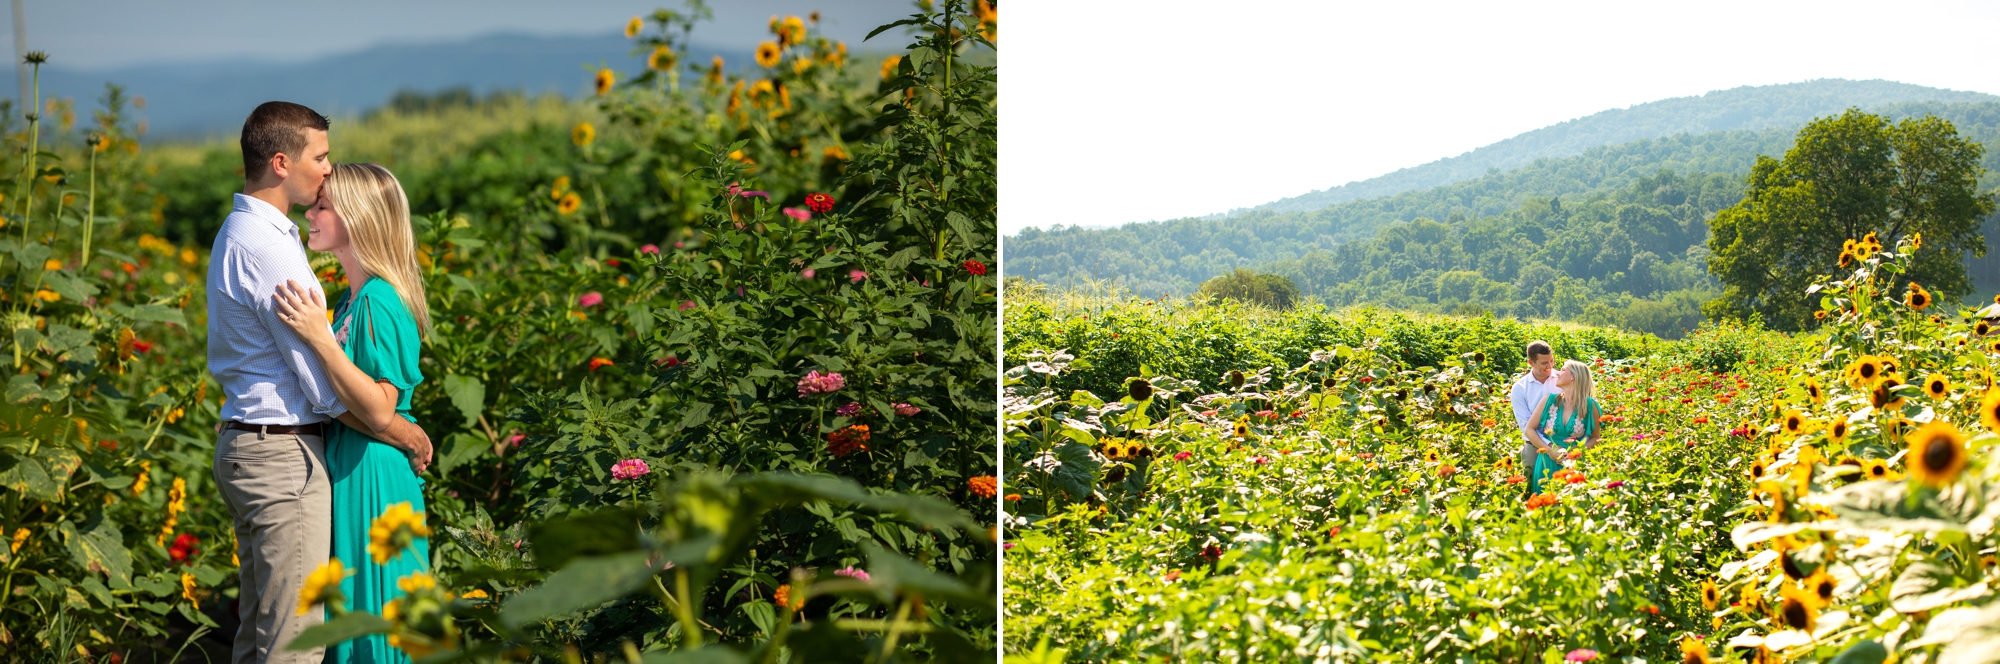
1581	389
371	203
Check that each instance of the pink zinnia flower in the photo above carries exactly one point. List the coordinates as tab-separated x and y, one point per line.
687	304
590	299
1008	545
848	410
1615	484
629	469
855	276
807	273
905	410
815	382
1580	655
679	244
1259	460
1183	456
515	440
649	249
1265	413
800	214
852	573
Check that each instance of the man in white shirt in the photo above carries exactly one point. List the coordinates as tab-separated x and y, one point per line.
1528	393
270	457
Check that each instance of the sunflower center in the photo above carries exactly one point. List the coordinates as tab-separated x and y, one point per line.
1825	590
1867	371
1938	455
1792	568
1795	615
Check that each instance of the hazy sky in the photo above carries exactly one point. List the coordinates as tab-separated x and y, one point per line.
1129	111
97	34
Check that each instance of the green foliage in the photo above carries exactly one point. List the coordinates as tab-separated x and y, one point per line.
1242	285
1845	178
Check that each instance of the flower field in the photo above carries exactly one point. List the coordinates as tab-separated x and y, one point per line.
710	367
1326	498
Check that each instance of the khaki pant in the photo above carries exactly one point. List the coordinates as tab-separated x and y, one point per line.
281	506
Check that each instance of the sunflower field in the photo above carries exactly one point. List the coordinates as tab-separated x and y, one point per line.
711	368
1812	497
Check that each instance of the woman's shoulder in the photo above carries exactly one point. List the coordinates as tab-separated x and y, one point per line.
381	295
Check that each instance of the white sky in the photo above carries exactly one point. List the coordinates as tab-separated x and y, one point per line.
1125	111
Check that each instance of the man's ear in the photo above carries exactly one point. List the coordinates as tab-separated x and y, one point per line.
281	166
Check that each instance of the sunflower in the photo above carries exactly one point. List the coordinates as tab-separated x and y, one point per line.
1243	427
1797	611
1819	588
889	66
569	203
1751	601
1140	389
1847	247
1814	391
1710	595
767	54
715	70
633	26
662	59
1866	371
582	134
1694	651
1846	258
1982	328
1935	385
1917	298
323	586
604	79
1430	456
1795	422
1937	453
1878	469
1884	396
1505	464
1780	504
1821	314
1235	379
1989	410
1836	433
792	30
1757	469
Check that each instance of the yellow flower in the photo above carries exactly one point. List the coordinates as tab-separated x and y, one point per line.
834	152
47	295
735	99
1866	371
20	538
1884	396
1814	391
560	187
390	533
760	91
392	610
889	66
792	30
662	59
415	582
1836	433
1796	423
1878	469
768	54
569	203
1936	386
52	265
582	134
1989	410
187	589
1916	241
1936	453
603	80
323	586
633	27
800	65
127	342
145	476
1693	650
477	593
1917	298
1819	588
1797	611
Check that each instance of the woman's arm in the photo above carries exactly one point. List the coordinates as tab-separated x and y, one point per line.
371	402
1534	431
1596	427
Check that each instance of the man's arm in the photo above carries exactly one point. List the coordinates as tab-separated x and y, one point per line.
272	265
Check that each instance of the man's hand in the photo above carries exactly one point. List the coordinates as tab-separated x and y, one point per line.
403	435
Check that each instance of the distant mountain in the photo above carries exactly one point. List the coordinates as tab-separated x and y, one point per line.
211	98
1749	108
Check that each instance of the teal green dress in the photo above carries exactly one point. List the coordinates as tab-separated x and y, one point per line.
368	475
1557	429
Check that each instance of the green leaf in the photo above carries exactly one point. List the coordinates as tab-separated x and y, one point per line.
459	449
711	654
585	583
467	394
1865	652
640	317
98	547
968	234
44	475
891	572
581	534
339	630
1928	584
694	415
72	288
159	313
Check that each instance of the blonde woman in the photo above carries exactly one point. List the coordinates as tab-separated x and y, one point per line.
370	353
1569	416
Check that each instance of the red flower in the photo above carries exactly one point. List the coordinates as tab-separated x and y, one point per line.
819	202
977	268
596	362
613	262
142	347
183	548
1367	379
1211	552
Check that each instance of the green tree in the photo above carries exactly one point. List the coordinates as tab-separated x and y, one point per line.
1843	178
1242	285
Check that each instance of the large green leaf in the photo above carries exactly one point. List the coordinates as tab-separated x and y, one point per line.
467	394
585	583
891	572
782	489
98	546
338	630
1970	635
580	534
1927	584
44	475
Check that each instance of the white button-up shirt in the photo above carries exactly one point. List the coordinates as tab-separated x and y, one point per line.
269	375
1528	395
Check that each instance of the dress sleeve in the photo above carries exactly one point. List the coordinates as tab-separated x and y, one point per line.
382	339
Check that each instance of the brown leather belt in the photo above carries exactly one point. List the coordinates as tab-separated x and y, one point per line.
314	429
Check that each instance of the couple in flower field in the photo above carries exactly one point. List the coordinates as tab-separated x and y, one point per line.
1556	412
317	445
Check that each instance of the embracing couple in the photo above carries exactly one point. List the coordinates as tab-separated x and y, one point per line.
316	439
1555	411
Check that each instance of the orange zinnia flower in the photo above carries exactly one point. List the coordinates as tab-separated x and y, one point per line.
847	440
596	362
984	486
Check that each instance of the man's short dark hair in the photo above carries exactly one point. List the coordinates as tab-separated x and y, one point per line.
275	127
1538	348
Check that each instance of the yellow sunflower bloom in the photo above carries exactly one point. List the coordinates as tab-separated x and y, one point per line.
603	80
1694	651
768	54
560	187
1936	453
1815	392
1836	432
1917	298
1819	588
569	204
1710	595
323	586
582	134
1884	396
633	27
889	65
1936	386
393	531
1865	372
415	582
20	538
1989	410
187	589
662	59
1797	611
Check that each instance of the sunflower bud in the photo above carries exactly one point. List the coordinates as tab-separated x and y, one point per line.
1140	389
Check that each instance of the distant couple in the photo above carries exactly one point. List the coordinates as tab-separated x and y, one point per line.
317	438
1551	406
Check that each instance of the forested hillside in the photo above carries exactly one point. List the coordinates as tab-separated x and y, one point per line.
1611	236
1746	108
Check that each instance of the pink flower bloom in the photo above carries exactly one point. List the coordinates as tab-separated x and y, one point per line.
1615	484
1008	545
848	410
1265	413
815	382
649	249
1183	456
629	469
679	244
807	273
905	410
1580	655
852	573
1259	460
590	299
855	276
687	304
515	440
800	214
